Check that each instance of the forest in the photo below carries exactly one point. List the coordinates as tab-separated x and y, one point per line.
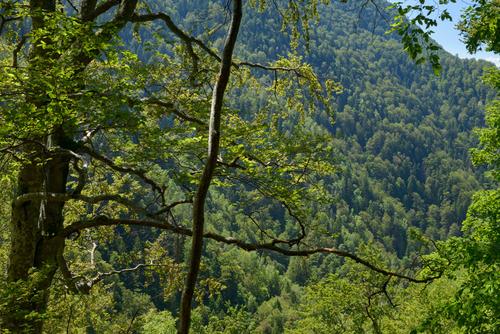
259	166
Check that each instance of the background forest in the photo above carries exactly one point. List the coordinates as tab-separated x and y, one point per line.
391	179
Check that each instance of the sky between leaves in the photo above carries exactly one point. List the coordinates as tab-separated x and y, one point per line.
449	37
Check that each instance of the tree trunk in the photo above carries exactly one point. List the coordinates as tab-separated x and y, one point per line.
208	171
33	252
34	223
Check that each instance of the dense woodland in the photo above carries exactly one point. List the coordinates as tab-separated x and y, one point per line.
355	189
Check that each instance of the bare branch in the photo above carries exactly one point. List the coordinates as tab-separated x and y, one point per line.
302	235
72	5
132	321
187	40
190	40
172	205
171	108
294	70
383	290
79	284
101	276
105	221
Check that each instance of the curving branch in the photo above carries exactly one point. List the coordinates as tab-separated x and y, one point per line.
141	174
76	227
302	234
79	284
383	290
171	108
168	209
186	39
189	41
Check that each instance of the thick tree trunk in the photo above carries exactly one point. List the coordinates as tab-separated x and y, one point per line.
32	261
35	223
33	252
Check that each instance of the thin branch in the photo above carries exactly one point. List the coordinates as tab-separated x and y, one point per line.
187	39
101	276
171	108
92	254
126	170
85	285
168	208
383	290
72	6
232	164
68	323
295	70
132	321
264	232
302	235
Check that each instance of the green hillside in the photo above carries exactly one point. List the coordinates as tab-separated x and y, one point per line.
391	175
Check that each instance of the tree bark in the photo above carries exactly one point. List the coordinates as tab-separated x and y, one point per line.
37	223
208	171
34	222
34	249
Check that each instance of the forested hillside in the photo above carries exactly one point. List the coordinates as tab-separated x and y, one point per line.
403	133
391	175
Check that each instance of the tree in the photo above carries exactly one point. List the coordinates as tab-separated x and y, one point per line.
80	113
474	258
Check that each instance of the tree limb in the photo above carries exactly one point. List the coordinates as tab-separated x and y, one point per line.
186	39
247	246
170	107
126	170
